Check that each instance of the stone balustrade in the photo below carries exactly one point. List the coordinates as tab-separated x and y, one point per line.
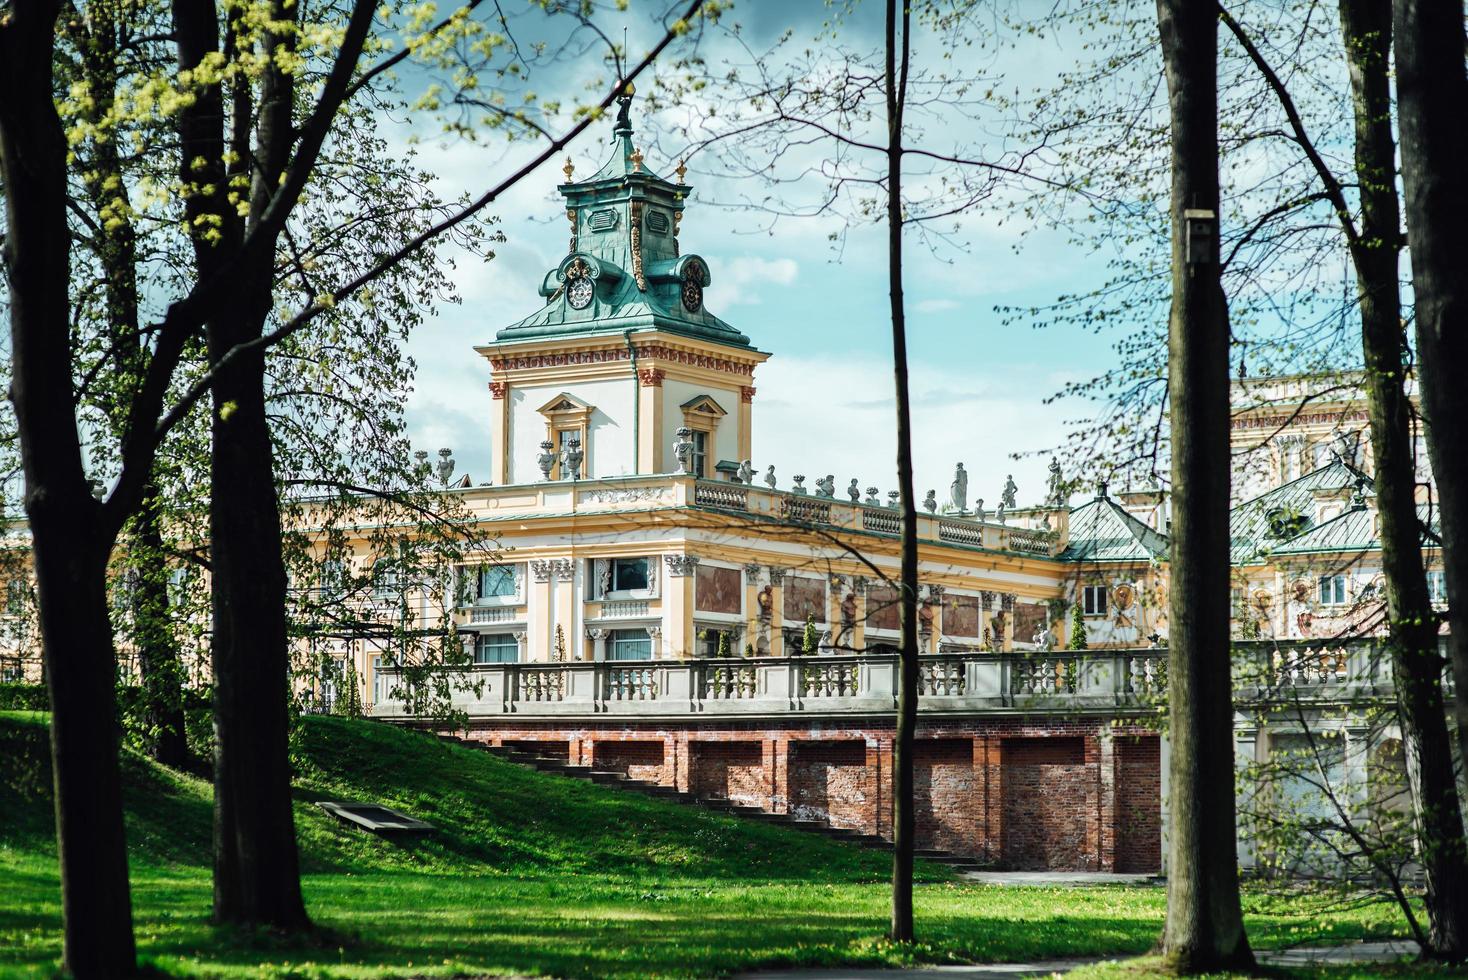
1081	682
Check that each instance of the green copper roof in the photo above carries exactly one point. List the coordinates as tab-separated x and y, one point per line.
1102	531
1350	532
1255	525
624	222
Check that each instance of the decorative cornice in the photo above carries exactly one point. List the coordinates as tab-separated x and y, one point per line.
777	575
497	389
746	394
1281	421
619	353
565	570
652	377
542	570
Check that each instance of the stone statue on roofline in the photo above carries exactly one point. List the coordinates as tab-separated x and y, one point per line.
930	502
746	472
770	477
853	491
979	509
826	486
1007	498
958	490
1056	493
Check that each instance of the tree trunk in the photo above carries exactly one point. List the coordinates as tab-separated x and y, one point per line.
903	817
256	869
107	188
158	653
256	864
68	546
1432	88
1204	929
1412	627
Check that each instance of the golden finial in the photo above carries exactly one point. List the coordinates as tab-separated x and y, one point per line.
568	169
680	171
637	160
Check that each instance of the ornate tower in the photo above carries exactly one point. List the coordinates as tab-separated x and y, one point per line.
623	352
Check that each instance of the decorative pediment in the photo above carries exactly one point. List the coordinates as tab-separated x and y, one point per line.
565	405
703	406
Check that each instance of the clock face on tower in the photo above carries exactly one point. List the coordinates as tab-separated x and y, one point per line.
578	293
692	295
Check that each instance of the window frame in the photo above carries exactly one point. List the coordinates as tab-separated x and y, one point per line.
1341	591
1095	601
504	641
1437	585
617	637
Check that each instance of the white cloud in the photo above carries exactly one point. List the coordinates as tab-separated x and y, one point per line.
742	280
835	415
937	305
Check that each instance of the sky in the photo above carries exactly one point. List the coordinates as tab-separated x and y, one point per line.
825	398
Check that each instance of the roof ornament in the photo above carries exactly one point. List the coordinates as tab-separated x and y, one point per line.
624	111
680	170
568	169
636	159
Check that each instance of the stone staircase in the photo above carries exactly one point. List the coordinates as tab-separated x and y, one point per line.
609	777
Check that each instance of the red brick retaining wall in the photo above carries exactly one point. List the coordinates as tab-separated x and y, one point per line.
1019	793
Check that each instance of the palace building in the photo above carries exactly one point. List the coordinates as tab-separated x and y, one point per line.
667	607
663	604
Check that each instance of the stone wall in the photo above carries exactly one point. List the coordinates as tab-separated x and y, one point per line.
1024	793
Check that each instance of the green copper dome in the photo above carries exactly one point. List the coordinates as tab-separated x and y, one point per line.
623	270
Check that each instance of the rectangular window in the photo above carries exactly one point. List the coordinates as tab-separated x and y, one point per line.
700	453
1437	585
384	579
382	684
1093	600
629	645
629	575
496	648
563	442
1332	590
496	581
333	578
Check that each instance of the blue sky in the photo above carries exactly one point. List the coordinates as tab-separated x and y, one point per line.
825	397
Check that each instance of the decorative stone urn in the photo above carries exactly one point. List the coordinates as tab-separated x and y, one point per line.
546	459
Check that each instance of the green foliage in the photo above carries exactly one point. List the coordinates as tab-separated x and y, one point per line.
349	704
530	873
1078	639
23	697
809	641
723	650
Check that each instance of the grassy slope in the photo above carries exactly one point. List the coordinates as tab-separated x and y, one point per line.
531	873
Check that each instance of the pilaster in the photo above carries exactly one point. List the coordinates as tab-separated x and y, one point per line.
563	570
678	606
540	616
499	427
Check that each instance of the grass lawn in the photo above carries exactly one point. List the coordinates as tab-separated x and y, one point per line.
536	874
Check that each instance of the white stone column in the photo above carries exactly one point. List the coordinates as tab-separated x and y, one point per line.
598	639
656	633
